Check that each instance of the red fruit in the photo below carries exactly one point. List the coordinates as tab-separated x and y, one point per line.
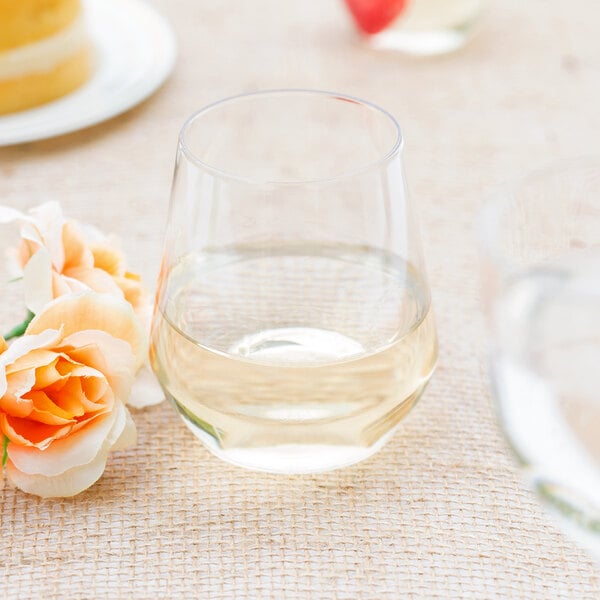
373	16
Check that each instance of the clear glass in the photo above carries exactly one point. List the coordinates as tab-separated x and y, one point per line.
292	328
541	241
419	27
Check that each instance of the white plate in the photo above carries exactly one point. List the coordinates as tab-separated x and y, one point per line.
135	52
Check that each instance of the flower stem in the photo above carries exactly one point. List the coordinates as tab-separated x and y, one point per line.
19	329
4	450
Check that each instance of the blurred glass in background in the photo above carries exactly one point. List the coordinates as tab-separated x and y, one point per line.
419	27
541	243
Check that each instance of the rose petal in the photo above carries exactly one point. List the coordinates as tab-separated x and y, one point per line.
146	390
62	285
46	411
72	397
133	291
77	370
95	279
68	484
77	254
37	280
14	405
107	258
94	388
49	219
3	381
32	239
75	480
128	436
120	425
48	375
78	448
89	310
34	359
119	363
47	418
17	370
42	338
20	383
25	432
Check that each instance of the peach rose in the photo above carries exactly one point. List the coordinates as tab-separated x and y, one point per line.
58	256
63	389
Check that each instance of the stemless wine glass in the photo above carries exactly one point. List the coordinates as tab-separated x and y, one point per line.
292	329
541	240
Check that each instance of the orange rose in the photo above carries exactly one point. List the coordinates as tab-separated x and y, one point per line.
58	257
63	388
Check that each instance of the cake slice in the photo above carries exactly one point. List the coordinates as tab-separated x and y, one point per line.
44	52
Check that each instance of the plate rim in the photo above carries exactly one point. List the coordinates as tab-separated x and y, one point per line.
153	82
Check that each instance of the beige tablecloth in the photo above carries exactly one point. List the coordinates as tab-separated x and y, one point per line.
440	512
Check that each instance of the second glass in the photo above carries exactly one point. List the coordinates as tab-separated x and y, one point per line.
293	328
541	258
418	27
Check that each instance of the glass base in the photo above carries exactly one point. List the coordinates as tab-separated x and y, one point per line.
576	517
419	43
289	459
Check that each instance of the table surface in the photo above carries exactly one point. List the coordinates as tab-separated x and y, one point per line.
440	512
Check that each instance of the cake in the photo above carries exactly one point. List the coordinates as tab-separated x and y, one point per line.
44	51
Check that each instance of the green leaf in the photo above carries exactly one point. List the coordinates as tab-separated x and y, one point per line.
4	450
19	329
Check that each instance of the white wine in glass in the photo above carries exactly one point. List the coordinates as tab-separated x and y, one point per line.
299	342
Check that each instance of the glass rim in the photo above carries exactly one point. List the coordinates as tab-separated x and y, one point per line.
393	151
496	204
